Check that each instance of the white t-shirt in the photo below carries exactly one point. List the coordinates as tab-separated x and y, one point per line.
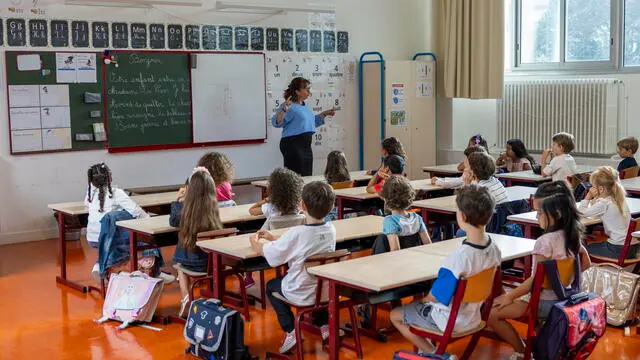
561	167
615	223
293	248
465	261
119	201
496	189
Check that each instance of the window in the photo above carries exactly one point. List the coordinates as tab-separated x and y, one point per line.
557	34
632	33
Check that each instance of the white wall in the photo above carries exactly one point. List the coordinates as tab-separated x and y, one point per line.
28	183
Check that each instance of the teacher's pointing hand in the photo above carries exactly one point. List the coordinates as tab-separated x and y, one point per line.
330	112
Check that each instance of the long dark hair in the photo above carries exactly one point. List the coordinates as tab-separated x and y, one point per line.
517	146
100	176
336	170
393	146
296	84
285	191
557	204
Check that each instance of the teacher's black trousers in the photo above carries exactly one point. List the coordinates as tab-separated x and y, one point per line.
297	154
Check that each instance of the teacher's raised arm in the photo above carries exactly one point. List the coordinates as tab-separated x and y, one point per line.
298	125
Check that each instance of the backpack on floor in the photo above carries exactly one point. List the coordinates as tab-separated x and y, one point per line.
574	325
215	332
131	297
408	355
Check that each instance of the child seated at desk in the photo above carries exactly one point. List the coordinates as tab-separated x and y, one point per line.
627	148
476	254
480	168
456	182
292	248
516	157
559	217
196	212
336	172
392	165
104	199
475	140
562	165
221	169
390	146
606	199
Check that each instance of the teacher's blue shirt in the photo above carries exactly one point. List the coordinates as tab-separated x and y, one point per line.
297	120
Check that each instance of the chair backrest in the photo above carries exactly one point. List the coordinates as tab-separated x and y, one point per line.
479	286
502	211
629	172
285	221
565	270
322	259
576	179
342	185
381	244
206	235
634	225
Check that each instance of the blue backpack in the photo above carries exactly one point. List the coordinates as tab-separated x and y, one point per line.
215	332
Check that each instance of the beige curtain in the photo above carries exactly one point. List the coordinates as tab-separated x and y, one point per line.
470	46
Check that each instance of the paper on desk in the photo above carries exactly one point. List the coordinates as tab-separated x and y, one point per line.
24	118
26	140
54	95
29	62
56	139
23	96
55	117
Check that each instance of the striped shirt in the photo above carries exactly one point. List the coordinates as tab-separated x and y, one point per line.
496	189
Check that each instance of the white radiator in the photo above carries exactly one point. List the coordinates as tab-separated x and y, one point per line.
534	110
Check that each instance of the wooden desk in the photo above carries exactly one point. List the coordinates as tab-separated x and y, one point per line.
77	208
357	176
529	177
360	194
160	225
447	204
529	220
239	247
144	190
442	170
395	269
632	185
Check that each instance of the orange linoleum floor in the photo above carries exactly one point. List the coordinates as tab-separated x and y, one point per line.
42	320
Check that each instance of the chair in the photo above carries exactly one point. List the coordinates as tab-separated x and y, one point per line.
320	304
634	225
577	179
629	172
285	221
480	287
196	277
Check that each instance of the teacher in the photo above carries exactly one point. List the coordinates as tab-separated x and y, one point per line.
299	124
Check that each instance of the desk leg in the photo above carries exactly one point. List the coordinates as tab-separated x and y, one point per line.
527	231
62	258
334	320
263	191
509	182
425	216
218	279
340	206
133	251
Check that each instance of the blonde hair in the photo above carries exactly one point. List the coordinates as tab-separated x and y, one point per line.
607	177
200	211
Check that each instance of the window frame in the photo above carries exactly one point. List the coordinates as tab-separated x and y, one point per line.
616	48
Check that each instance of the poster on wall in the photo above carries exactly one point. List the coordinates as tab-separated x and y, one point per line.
397	94
398	117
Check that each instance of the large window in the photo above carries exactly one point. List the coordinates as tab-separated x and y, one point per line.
575	34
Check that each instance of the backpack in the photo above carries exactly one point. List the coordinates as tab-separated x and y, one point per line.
131	297
575	325
215	332
408	355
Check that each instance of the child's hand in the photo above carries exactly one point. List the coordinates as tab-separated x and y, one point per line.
433	180
255	244
546	153
592	194
182	192
502	301
265	234
467	176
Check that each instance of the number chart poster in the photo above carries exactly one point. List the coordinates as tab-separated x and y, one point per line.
333	85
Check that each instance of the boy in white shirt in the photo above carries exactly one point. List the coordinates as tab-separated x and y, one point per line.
456	182
476	254
562	165
480	169
293	248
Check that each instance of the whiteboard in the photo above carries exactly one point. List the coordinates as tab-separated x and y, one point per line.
228	97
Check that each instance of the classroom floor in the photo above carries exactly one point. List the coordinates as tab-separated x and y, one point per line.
40	319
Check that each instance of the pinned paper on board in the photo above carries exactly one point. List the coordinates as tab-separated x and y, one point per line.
421	70
23	96
66	66
30	62
25	118
55	117
56	139
26	140
398	117
424	89
86	68
54	95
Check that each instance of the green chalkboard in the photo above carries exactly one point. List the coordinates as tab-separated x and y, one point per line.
148	100
81	122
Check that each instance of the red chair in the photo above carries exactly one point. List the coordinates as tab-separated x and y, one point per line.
303	312
634	225
629	173
480	287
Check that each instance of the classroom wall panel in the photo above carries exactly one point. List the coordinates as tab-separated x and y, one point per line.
372	106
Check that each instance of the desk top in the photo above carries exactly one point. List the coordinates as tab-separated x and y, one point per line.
448	203
160	224
78	208
355	176
360	193
408	266
529	176
632	184
443	169
346	229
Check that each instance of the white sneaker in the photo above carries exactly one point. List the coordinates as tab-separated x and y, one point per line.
167	278
324	332
288	343
95	272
